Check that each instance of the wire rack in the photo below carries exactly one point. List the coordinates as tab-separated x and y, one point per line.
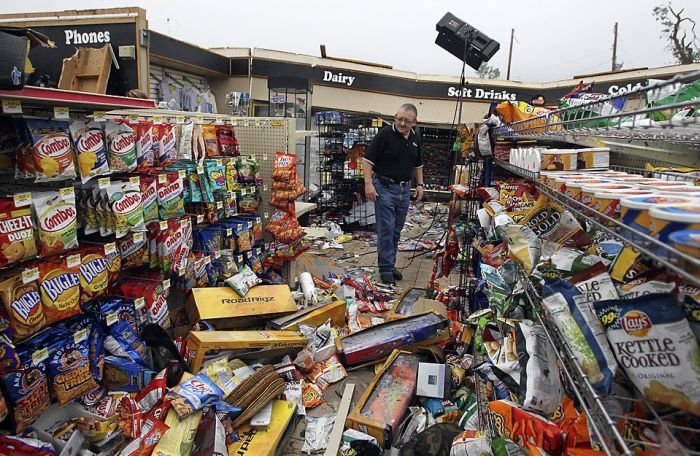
662	254
653	113
605	425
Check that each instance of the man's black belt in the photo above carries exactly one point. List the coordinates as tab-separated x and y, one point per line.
389	181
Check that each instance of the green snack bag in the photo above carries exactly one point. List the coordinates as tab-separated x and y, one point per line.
505	447
171	202
126	206
121	146
149	198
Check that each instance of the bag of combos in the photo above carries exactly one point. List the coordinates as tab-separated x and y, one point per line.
121	146
52	152
90	147
57	219
653	342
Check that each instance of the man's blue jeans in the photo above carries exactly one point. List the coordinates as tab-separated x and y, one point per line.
390	213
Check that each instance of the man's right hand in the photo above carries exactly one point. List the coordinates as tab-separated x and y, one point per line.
370	191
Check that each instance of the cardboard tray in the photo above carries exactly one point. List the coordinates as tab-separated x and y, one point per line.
226	309
200	342
413	302
313	316
377	397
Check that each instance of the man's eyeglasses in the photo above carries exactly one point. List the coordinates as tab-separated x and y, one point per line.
403	120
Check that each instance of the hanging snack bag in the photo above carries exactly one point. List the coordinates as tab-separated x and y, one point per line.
24	161
211	143
69	369
27	391
199	150
149	197
285	167
22	305
184	147
215	175
93	273
653	342
57	221
232	182
171	202
167	146
88	329
248	170
124	342
52	150
90	146
155	296
114	262
144	145
226	139
16	233
248	200
59	286
133	249
126	205
121	146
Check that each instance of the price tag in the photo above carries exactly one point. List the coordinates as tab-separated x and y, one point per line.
99	116
111	248
179	120
244	191
162	178
264	187
266	215
258	123
200	169
246	123
166	284
139	237
73	260
112	318
133	117
199	118
40	356
219	205
158	119
30	275
264	157
229	232
103	182
135	180
253	189
22	199
12	106
66	192
181	173
139	302
277	123
217	255
207	260
200	218
185	223
80	335
181	271
219	162
61	112
219	120
252	156
163	225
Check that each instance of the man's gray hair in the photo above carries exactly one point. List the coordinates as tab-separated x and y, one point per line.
409	107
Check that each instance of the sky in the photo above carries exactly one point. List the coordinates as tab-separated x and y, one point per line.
554	39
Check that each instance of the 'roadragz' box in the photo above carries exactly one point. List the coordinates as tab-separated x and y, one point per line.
225	309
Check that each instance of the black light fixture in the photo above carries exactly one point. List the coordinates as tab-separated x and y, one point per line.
464	41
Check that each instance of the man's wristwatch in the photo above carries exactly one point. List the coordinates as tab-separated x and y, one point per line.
420	185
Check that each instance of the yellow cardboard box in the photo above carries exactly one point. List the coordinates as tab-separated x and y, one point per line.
226	309
313	316
200	342
263	442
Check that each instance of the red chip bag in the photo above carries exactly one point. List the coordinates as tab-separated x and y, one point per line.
285	167
154	295
153	393
226	140
17	241
130	417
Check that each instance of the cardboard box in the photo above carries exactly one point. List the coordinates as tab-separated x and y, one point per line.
313	316
384	404
259	442
226	309
433	380
374	344
414	302
200	342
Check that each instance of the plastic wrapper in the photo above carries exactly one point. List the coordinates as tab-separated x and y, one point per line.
17	240
327	372
171	202
133	249
228	146
145	157
211	142
93	273
523	427
22	305
248	171
652	340
149	198
52	151
59	286
551	222
121	146
121	374
126	205
124	342
27	391
318	432
193	394
57	218
184	145
144	444
467	443
166	152
524	245
312	395
540	387
24	446
90	148
243	281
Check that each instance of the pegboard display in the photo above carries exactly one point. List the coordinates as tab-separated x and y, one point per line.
263	137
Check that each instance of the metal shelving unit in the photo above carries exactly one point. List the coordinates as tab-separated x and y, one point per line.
633	124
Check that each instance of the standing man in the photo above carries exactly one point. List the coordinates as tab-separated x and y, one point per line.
389	162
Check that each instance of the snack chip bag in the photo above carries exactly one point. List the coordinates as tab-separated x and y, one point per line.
228	145
248	170
52	150
652	340
211	142
523	427
149	197
59	287
243	281
121	146
285	167
126	204
133	249
215	175
171	202
94	279
22	304
90	146
124	342
167	145
27	391
16	233
184	146
144	145
231	176
57	219
121	374
193	394
88	329
155	296
69	370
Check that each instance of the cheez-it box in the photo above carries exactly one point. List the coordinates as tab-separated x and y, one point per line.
226	309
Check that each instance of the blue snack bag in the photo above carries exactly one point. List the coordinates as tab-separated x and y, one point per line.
193	394
124	342
27	390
